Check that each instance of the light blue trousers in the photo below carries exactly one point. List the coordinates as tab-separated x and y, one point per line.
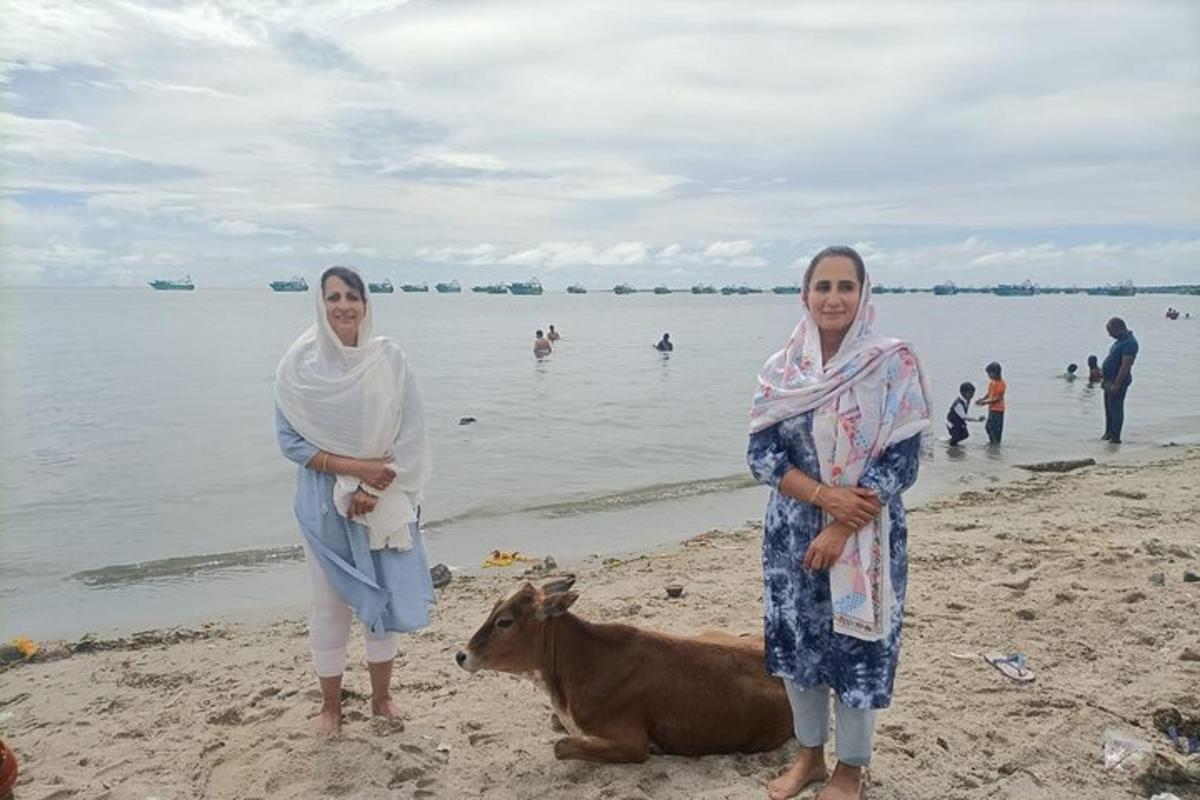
810	717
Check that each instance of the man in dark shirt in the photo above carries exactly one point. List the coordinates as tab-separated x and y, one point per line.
664	344
1117	372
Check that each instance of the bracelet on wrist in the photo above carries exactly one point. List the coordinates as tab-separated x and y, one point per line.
812	501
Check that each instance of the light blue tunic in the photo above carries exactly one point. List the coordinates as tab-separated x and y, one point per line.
390	590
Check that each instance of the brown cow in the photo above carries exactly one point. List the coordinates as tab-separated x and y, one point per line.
622	692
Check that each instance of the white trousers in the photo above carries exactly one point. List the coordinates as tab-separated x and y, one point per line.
810	718
329	626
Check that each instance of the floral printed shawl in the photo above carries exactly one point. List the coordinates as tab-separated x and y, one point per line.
871	395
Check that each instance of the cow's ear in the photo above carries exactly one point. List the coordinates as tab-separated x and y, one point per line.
556	605
558	585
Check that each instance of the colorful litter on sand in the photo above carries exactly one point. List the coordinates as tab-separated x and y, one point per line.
505	558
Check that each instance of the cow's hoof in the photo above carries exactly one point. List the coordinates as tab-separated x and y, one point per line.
563	749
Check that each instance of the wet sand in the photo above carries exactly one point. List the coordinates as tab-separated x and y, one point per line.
1054	566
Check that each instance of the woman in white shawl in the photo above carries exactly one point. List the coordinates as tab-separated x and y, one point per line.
836	429
348	412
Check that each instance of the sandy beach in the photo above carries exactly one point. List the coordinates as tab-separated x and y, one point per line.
1089	585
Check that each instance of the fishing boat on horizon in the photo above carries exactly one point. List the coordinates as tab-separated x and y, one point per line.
793	289
1126	289
382	287
576	288
491	288
295	284
183	284
704	288
532	286
414	287
1023	289
623	288
662	289
945	288
452	287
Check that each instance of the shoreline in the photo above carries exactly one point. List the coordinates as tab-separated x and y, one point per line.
268	568
1051	565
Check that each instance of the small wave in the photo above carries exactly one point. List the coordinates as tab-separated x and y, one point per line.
121	574
656	493
181	566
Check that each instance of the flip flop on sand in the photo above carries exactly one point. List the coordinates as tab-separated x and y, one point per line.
1012	666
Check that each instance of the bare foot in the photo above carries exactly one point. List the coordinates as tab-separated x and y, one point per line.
846	784
385	708
808	767
328	722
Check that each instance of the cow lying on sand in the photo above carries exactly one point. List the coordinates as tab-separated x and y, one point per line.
622	692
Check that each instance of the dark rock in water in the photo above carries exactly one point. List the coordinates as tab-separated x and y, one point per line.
1058	466
441	576
466	420
1127	494
1190	576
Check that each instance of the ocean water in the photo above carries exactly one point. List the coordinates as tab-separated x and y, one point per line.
141	484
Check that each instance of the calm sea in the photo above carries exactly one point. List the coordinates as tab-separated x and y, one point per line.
141	485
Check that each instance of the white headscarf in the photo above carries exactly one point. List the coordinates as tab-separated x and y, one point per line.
872	394
360	402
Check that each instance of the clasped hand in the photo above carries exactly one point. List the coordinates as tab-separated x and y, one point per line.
824	551
360	503
854	506
375	473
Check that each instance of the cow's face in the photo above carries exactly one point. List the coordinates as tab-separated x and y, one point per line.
511	638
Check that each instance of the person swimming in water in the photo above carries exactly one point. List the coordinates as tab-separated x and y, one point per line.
664	344
553	335
1070	373
541	345
1095	376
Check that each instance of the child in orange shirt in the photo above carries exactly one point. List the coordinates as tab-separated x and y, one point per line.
994	400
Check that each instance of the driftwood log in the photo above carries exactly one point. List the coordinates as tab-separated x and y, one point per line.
1058	466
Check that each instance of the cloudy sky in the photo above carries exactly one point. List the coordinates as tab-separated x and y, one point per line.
671	142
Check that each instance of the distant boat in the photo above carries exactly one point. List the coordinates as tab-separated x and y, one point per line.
703	288
448	288
1125	289
740	289
531	286
788	289
296	284
414	287
183	284
623	288
1025	289
881	289
662	289
728	290
945	288
1071	290
576	288
491	288
383	287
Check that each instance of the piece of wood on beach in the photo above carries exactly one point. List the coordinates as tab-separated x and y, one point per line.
1058	466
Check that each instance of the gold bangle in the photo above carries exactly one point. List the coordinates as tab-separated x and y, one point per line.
816	494
325	462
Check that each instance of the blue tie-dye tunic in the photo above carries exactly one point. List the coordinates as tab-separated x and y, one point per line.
797	616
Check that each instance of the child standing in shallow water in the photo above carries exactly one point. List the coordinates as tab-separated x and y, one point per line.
994	400
956	417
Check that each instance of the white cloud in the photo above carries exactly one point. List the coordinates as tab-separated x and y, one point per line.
703	136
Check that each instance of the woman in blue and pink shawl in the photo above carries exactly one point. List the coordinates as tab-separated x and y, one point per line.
836	430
